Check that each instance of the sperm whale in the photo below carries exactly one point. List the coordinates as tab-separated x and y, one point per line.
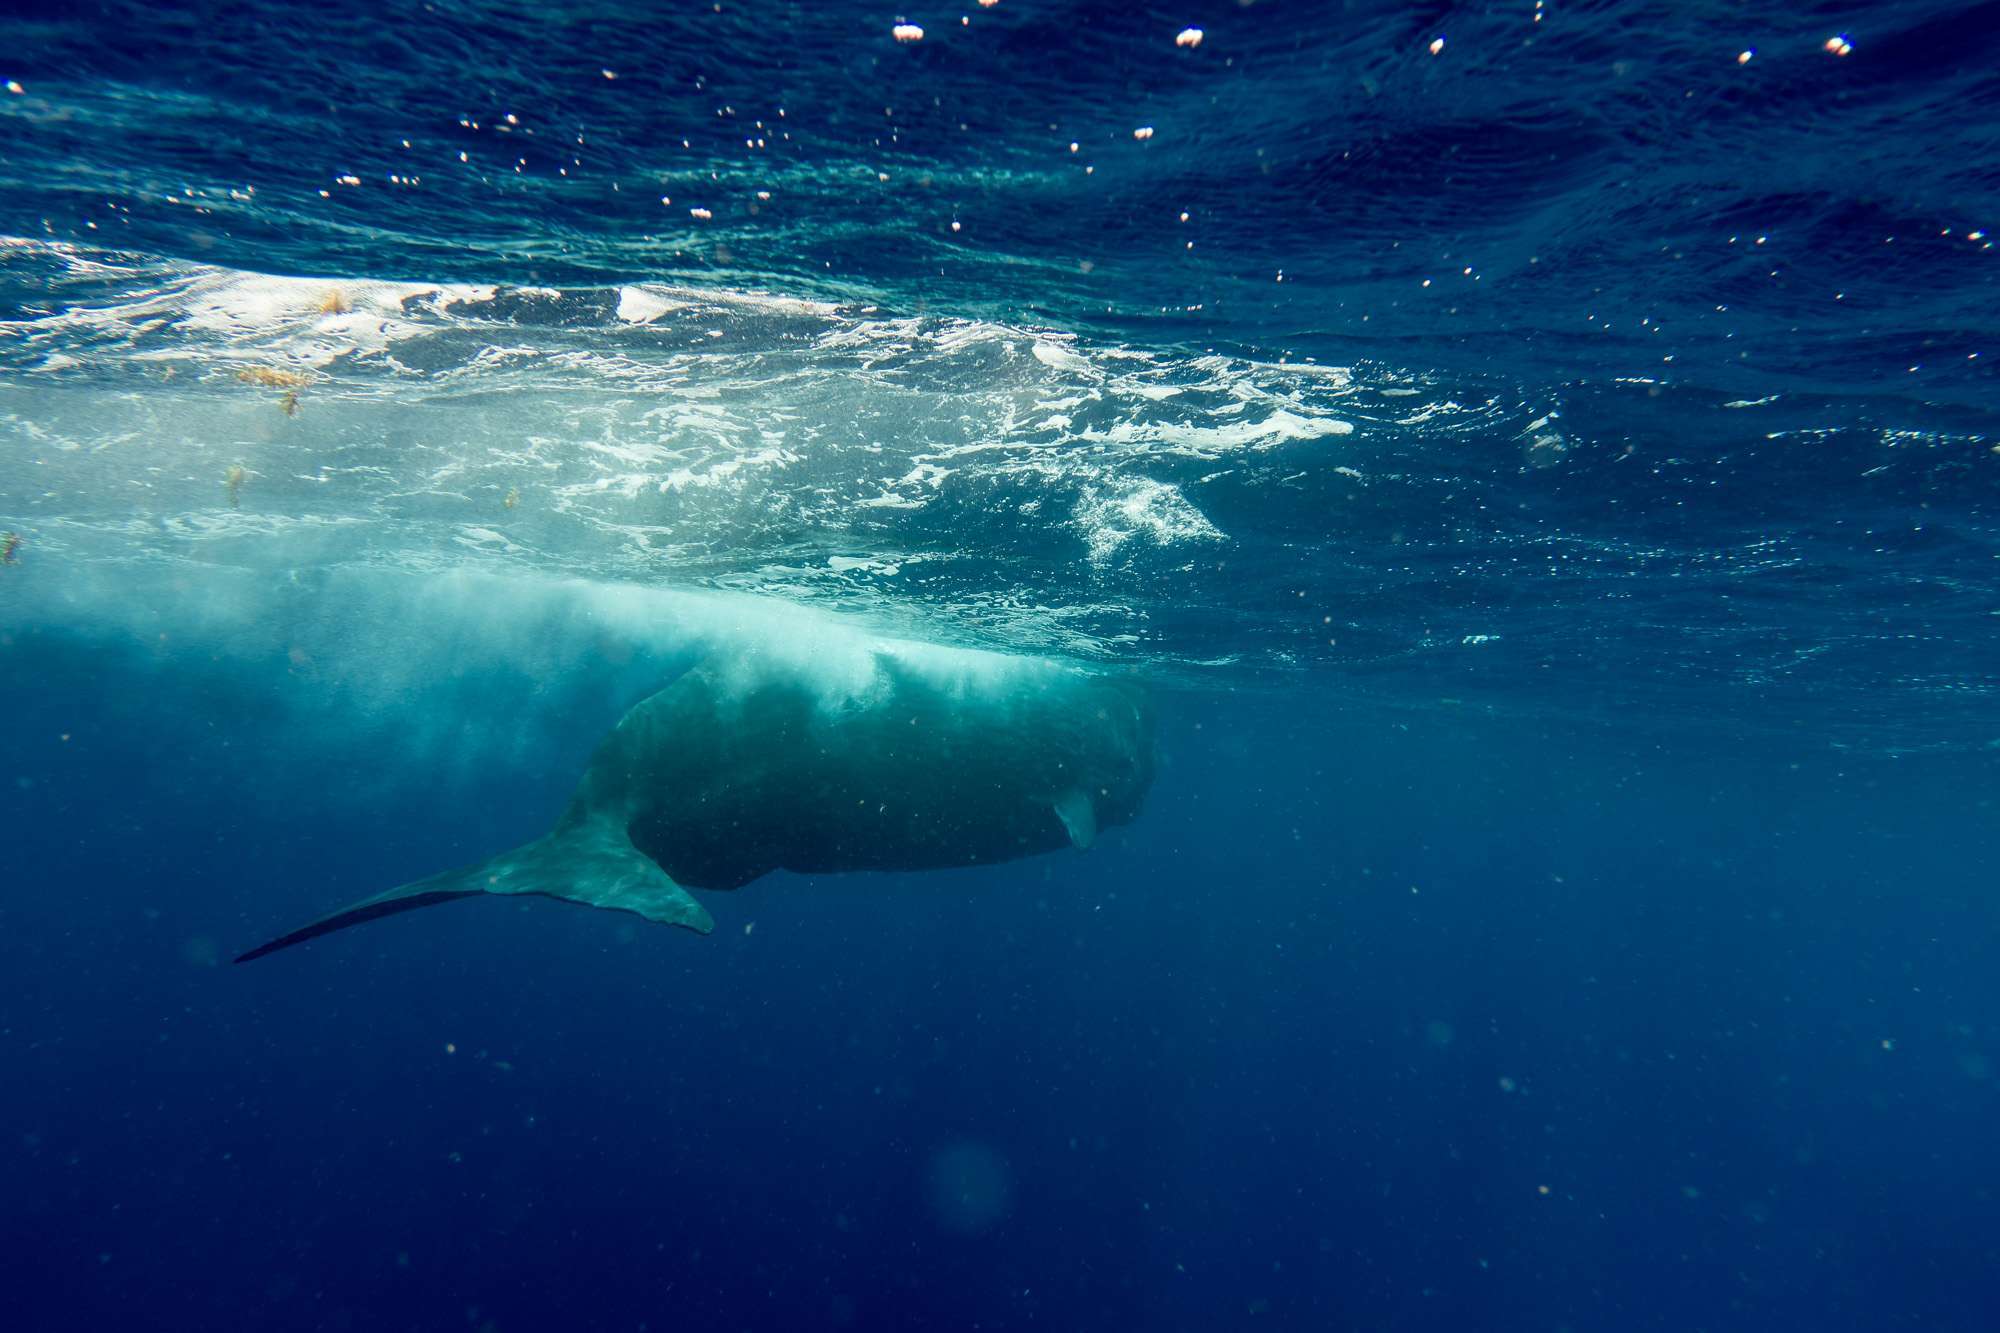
931	759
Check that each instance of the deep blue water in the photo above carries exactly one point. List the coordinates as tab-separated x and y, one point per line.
1551	483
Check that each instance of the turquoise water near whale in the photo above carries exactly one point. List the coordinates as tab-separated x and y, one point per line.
1543	459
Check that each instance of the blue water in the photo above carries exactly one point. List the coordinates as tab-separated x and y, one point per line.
1551	483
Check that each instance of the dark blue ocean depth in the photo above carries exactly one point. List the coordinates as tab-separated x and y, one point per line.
1371	1022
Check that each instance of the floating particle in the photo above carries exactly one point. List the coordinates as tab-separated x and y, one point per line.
1143	132
1743	57
1437	45
1839	45
988	4
1188	37
1541	1189
14	87
954	224
764	196
1544	450
666	199
609	74
907	32
700	214
1184	216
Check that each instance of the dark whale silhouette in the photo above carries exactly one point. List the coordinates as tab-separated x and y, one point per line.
936	758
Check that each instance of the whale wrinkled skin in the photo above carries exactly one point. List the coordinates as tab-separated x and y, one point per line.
733	771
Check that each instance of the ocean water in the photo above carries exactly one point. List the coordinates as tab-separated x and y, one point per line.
1543	460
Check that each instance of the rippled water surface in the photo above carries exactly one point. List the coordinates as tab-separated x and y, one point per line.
1594	354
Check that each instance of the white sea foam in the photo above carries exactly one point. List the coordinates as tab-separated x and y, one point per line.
205	417
1145	511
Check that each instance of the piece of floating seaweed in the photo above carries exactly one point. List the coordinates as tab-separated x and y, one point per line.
10	547
232	483
274	377
277	377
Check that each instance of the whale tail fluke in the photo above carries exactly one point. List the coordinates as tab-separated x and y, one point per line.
590	862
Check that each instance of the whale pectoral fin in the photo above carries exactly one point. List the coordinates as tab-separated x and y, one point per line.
592	864
1078	816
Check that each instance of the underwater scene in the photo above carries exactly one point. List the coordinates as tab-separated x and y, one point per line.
1020	665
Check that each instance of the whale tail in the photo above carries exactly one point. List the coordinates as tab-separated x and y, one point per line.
591	862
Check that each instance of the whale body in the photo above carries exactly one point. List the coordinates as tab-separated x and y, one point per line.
928	760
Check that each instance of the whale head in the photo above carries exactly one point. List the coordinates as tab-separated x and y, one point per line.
1116	751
